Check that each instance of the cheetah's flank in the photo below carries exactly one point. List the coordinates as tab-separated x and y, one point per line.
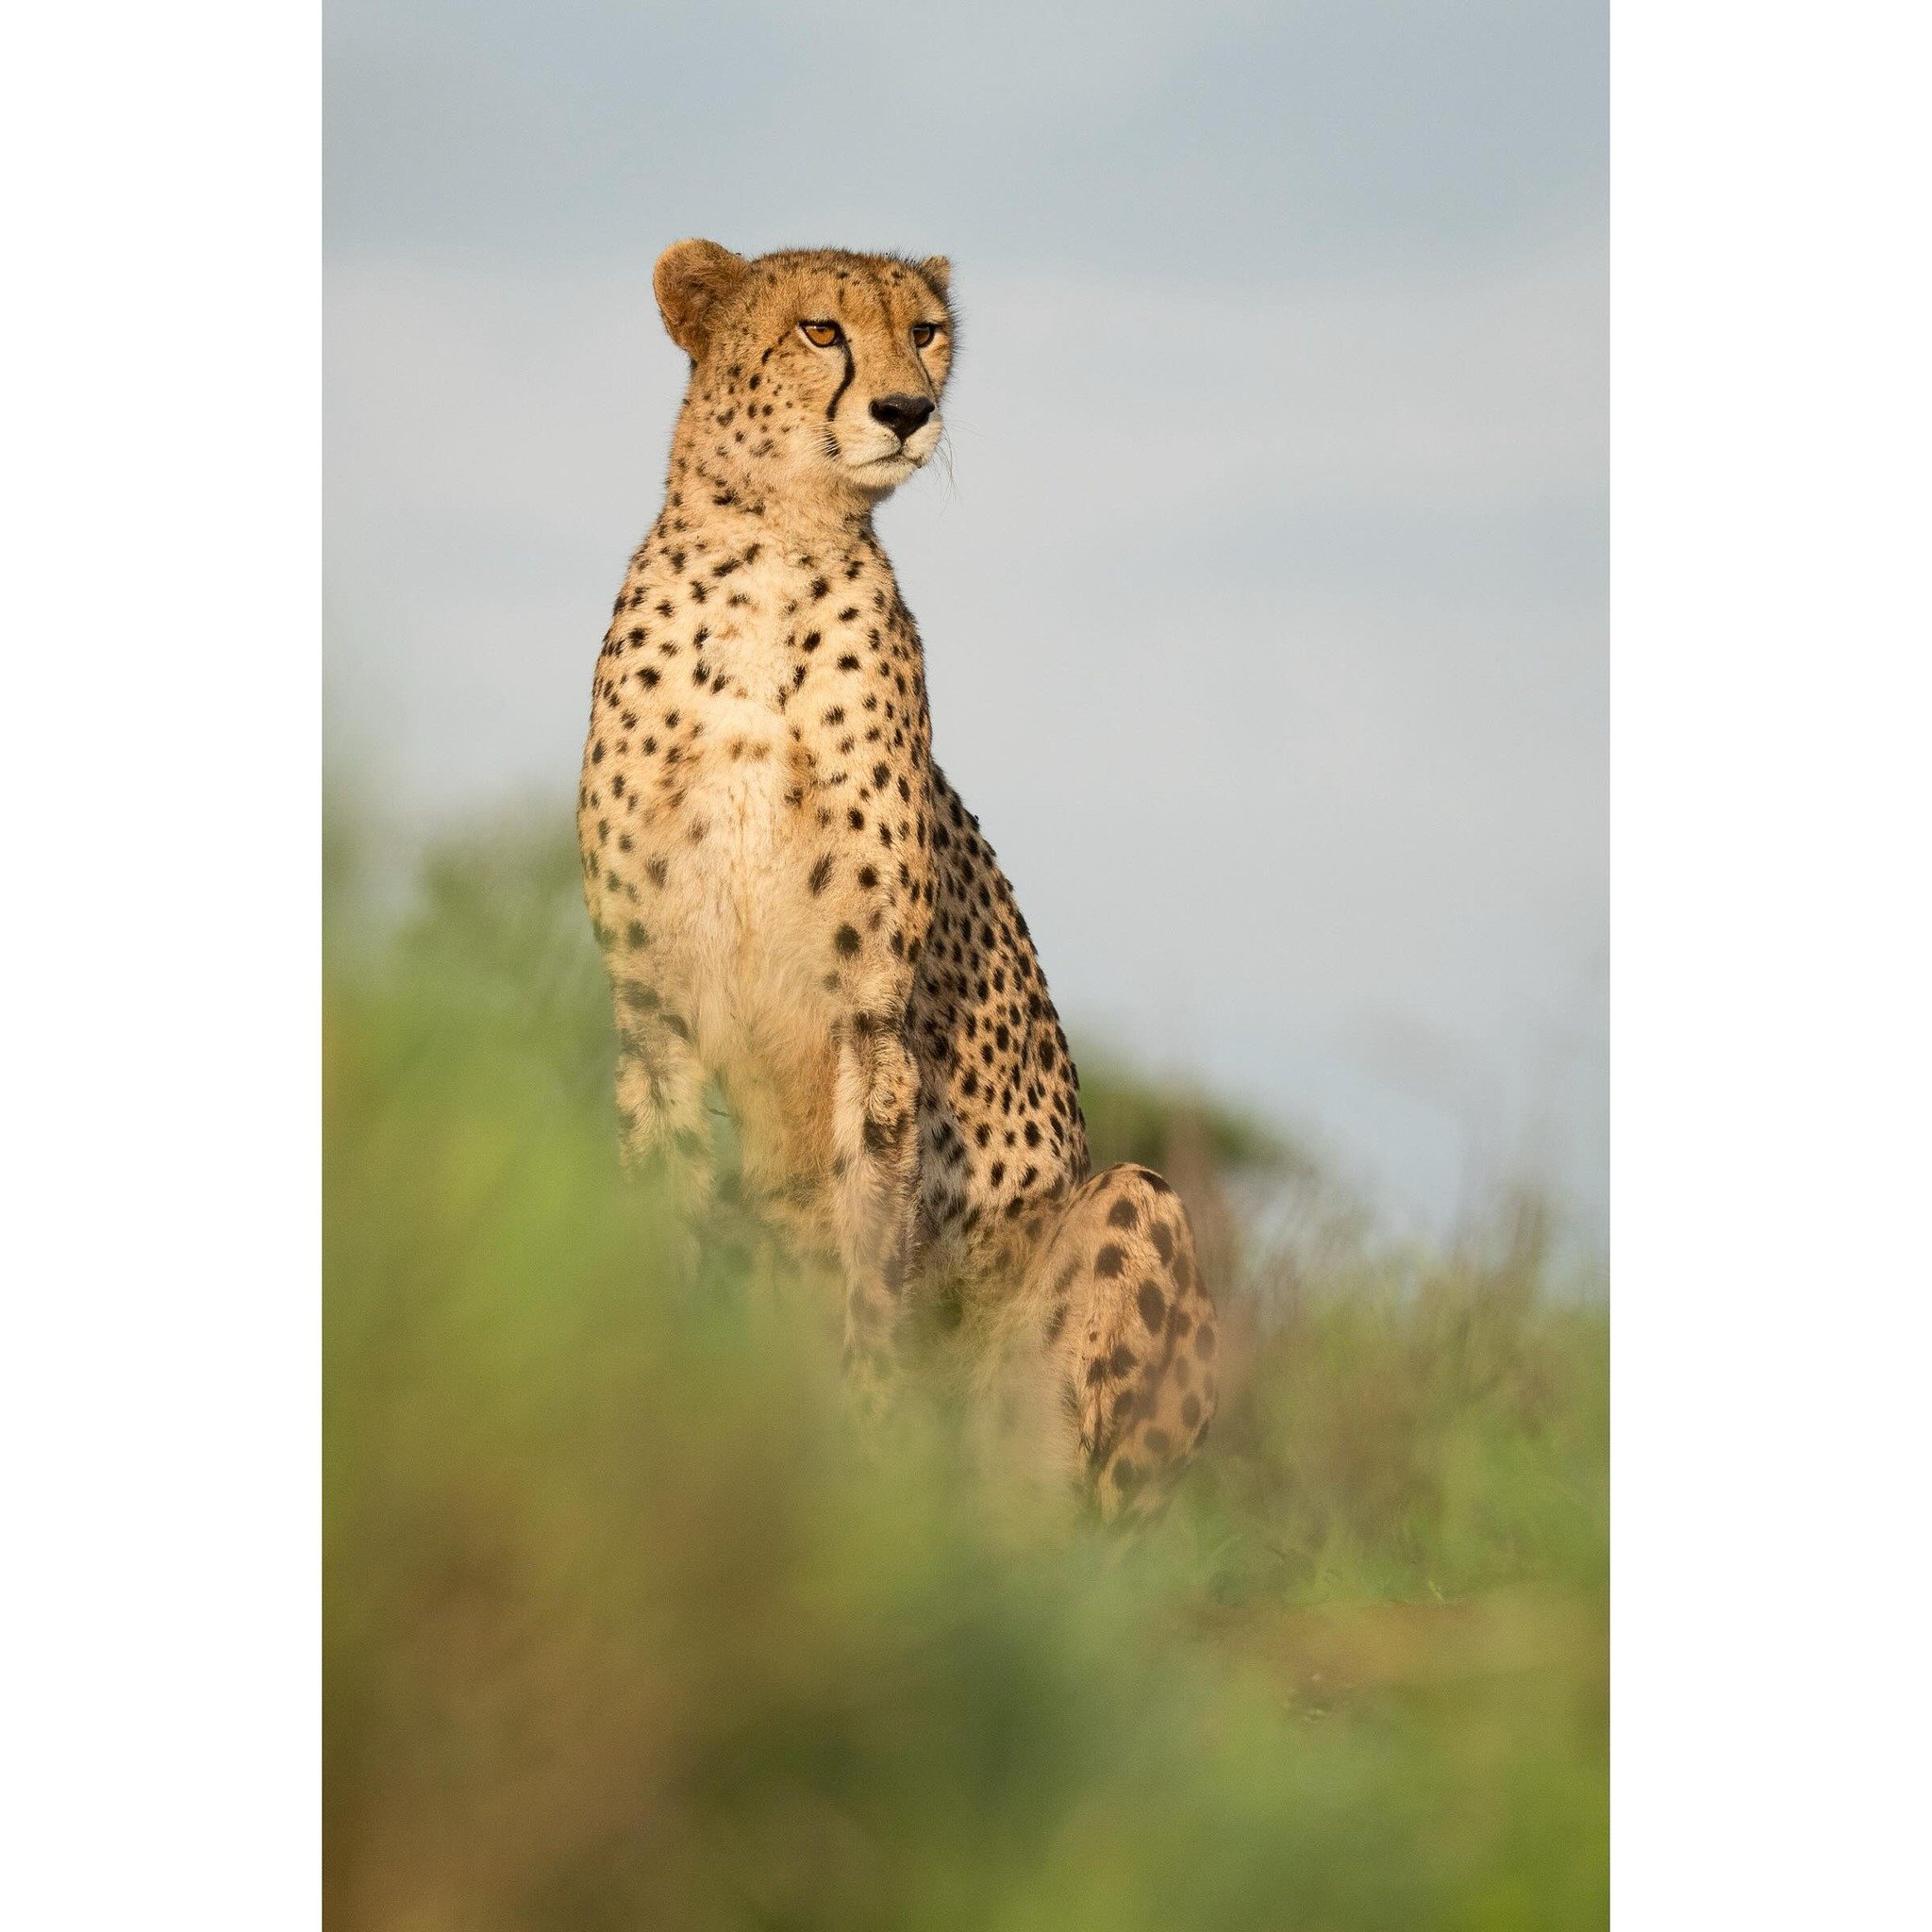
791	899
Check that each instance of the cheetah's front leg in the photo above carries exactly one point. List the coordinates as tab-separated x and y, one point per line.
661	1110
876	1164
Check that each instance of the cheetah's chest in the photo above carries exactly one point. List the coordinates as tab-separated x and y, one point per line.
737	887
730	825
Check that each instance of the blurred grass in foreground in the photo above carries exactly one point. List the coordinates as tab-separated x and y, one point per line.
623	1629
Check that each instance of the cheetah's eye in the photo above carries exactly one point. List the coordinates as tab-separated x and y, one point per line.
922	333
823	335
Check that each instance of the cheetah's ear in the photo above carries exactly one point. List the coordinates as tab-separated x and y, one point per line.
939	272
690	280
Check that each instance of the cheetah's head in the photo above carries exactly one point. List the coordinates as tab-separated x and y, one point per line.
814	373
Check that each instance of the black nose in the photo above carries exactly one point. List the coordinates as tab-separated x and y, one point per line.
902	414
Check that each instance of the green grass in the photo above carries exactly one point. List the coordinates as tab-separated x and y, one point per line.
625	1629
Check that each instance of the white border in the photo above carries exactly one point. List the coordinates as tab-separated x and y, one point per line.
1771	972
161	783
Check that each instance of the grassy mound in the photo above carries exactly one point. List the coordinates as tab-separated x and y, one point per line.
626	1630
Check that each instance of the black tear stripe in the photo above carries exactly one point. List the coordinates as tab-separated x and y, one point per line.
832	408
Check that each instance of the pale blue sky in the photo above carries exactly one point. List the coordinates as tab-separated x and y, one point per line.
1279	484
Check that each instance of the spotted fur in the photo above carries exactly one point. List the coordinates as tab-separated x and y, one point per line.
792	898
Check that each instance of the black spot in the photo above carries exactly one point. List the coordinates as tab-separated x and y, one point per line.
1156	1441
1162	1237
846	941
1190	1411
1153	1306
1123	1214
820	872
1110	1262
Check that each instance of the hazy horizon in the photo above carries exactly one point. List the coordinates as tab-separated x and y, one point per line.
1279	489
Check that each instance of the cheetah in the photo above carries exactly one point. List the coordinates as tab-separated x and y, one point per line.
791	900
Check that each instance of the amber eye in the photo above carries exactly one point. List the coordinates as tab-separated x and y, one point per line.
823	335
922	333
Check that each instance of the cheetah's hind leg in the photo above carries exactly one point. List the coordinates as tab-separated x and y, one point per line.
1130	1333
